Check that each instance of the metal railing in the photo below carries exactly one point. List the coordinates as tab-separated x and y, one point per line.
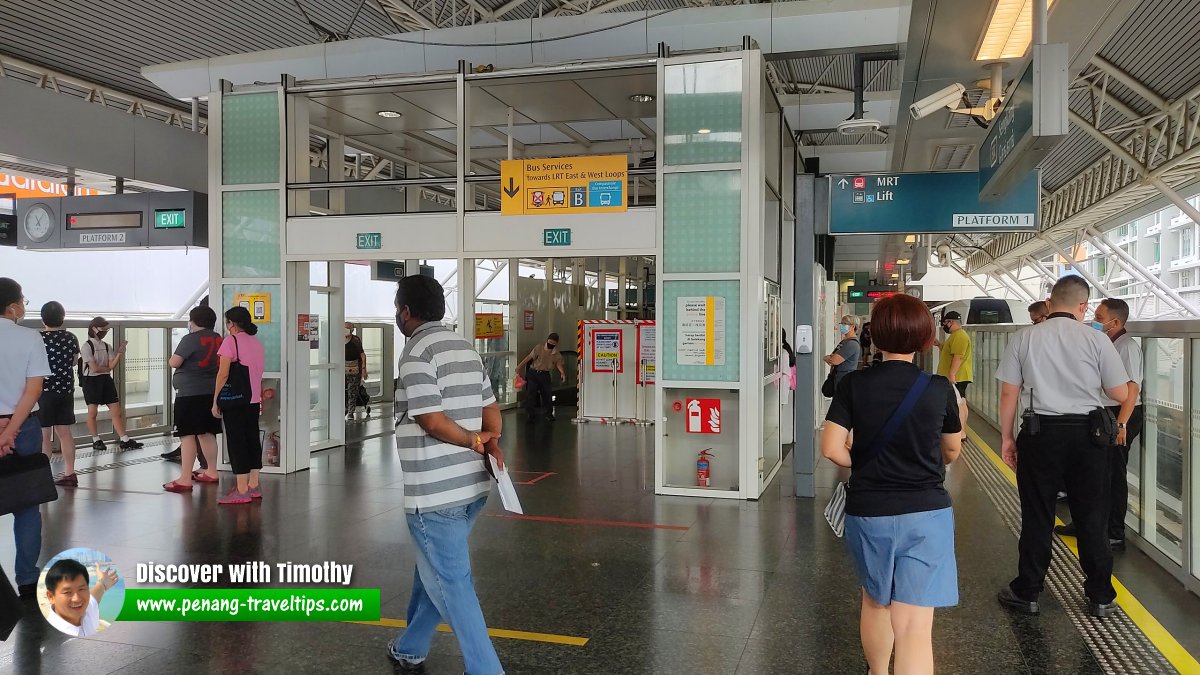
1163	472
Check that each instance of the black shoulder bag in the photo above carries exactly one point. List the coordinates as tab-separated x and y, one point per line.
236	392
25	481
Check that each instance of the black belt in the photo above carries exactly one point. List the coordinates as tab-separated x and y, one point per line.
1063	419
6	417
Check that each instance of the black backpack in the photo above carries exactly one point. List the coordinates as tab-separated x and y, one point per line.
79	362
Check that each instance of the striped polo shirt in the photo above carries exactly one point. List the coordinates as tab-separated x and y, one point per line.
440	371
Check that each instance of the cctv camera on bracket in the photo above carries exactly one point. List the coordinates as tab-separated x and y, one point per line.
949	97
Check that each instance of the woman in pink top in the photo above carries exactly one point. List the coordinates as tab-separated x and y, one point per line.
241	421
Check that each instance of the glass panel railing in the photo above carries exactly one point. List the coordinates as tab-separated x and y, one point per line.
1163	445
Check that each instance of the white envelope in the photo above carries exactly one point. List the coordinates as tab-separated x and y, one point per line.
508	493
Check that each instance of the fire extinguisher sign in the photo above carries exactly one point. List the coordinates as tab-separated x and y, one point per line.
703	415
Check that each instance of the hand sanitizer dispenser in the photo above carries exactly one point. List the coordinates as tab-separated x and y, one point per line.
804	339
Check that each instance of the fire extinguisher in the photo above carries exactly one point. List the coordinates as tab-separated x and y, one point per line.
273	449
703	468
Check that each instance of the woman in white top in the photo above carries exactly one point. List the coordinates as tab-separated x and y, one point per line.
99	389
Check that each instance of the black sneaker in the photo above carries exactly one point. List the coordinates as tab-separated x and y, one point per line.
175	455
27	591
1068	530
1061	496
99	446
1102	610
1017	604
1116	544
131	444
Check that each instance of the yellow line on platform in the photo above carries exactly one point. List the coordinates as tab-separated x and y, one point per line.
549	638
1166	643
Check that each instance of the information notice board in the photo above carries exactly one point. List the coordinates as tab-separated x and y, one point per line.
700	333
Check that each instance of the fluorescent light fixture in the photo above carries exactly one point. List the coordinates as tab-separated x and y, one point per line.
642	98
903	261
704	131
1009	30
910	239
390	114
895	275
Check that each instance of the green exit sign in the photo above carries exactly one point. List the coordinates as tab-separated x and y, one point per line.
560	236
173	219
369	241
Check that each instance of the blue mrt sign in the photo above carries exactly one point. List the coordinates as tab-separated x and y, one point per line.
912	203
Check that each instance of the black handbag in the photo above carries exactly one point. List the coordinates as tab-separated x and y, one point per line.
10	607
829	386
25	481
362	398
236	392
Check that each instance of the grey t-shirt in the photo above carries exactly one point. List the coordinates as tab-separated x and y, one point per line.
1065	364
850	350
1131	356
197	375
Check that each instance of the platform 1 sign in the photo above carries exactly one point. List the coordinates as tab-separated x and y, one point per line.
912	203
563	185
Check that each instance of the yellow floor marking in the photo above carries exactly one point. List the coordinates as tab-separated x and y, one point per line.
494	632
1166	643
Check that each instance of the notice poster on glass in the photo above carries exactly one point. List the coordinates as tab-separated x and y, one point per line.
647	355
606	351
700	334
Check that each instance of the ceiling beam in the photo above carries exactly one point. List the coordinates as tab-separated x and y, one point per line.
642	127
569	131
408	12
497	133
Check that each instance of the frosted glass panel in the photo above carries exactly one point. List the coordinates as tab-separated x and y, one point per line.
702	112
729	369
702	222
250	225
250	138
268	332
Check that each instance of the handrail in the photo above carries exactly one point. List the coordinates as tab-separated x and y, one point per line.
1164	328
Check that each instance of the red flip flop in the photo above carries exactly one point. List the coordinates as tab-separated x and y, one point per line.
201	477
176	487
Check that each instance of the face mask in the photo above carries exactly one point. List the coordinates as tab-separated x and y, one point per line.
348	332
101	334
843	329
550	346
400	324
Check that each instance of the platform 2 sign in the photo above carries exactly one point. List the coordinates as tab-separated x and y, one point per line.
563	185
912	203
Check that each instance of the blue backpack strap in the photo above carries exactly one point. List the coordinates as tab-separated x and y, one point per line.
910	401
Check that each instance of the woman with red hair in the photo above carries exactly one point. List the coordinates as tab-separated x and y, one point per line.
899	524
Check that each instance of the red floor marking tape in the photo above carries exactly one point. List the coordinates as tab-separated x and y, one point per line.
539	476
588	521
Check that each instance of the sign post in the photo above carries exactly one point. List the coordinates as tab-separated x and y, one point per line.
1032	122
932	201
563	185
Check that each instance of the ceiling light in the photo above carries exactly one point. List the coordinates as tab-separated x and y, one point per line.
390	114
895	275
903	261
704	131
642	98
910	239
1009	30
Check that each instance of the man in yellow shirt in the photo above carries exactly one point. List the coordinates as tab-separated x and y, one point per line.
955	360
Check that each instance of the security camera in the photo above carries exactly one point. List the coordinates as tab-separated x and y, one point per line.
950	97
943	254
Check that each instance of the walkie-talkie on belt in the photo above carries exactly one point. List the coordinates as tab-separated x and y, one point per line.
1030	423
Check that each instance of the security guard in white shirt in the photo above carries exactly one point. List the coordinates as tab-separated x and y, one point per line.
1065	368
23	367
1111	316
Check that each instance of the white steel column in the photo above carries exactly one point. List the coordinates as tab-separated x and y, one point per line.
1135	269
1182	203
1074	265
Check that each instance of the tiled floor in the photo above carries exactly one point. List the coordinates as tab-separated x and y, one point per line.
739	587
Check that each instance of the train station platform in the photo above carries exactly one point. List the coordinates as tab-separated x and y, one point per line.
599	576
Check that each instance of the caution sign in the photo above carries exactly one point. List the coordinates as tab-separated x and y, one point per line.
563	185
489	326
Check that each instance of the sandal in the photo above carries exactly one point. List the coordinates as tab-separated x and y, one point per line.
67	480
176	487
201	477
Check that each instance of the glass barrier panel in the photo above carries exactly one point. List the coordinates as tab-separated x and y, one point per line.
372	340
144	392
319	403
1163	445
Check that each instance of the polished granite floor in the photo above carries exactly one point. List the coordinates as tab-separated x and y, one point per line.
655	584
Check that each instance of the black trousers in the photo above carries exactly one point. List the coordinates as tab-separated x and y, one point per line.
537	393
242	438
1119	489
1062	454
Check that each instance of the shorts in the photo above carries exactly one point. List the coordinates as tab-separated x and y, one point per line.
907	558
962	388
99	390
56	410
193	416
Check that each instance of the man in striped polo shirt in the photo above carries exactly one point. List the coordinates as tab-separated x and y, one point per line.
447	422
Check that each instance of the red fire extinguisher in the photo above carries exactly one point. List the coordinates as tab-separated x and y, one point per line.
273	449
703	466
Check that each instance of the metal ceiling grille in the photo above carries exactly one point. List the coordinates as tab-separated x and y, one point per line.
951	157
816	74
1157	46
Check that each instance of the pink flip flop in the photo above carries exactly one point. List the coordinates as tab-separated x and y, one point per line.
176	487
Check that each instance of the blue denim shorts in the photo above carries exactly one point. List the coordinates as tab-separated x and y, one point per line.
907	558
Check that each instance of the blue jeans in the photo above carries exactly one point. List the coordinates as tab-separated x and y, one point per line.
443	588
27	523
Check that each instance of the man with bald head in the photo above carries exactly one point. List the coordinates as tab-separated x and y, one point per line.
1061	370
